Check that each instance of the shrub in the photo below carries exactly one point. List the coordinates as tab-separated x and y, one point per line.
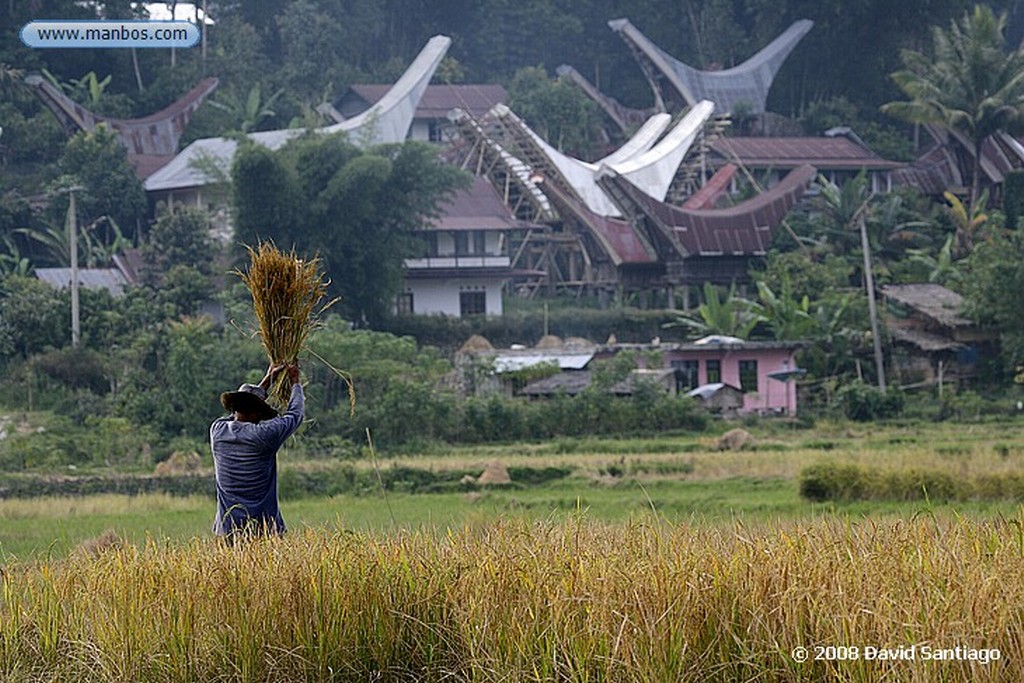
865	403
843	483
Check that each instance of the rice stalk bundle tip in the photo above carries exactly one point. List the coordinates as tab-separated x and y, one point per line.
286	294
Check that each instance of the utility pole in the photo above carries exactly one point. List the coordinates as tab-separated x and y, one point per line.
73	235
202	26
869	282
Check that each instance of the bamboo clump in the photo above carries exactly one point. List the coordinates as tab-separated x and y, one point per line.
287	292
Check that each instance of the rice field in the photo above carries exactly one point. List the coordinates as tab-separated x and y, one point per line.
654	560
572	600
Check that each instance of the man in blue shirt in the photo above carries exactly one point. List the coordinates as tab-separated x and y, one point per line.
245	446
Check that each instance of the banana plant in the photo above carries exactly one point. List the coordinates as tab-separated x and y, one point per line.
731	316
89	86
968	222
942	267
788	317
11	260
251	112
93	252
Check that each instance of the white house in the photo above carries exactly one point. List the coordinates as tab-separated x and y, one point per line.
465	261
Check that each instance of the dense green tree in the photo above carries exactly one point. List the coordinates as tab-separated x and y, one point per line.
32	317
180	236
992	289
357	209
969	83
109	185
171	376
556	109
266	197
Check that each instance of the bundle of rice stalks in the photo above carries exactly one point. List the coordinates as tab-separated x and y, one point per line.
286	294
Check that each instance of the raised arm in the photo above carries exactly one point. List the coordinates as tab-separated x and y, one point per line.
268	378
276	430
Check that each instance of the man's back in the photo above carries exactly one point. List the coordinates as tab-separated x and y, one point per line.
245	464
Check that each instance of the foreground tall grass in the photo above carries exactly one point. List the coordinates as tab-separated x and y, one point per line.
517	601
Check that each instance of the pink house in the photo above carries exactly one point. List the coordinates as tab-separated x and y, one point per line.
764	371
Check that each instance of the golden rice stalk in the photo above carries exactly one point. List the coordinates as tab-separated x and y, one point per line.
286	294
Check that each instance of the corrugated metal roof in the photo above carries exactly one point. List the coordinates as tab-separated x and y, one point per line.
510	362
706	391
91	278
189	168
387	121
824	152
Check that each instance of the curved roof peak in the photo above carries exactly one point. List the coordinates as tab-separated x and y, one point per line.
745	85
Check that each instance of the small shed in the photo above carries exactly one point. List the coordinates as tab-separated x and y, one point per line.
719	398
934	340
568	383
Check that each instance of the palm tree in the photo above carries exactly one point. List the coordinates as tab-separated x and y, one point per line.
971	85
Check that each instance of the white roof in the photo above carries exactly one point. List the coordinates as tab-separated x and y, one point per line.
110	279
706	391
719	339
518	361
651	169
386	121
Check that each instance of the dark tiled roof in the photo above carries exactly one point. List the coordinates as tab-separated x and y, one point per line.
744	229
824	152
438	100
477	208
939	168
617	237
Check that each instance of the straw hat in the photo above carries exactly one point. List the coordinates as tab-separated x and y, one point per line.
249	398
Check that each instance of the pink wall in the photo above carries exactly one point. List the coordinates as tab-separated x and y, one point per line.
771	395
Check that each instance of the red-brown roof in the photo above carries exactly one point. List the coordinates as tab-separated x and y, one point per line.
619	239
744	229
438	100
478	207
825	153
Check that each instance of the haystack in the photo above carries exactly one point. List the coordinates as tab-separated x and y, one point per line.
475	344
494	473
578	343
94	547
179	463
549	341
734	440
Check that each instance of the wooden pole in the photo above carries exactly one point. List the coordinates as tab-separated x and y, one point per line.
73	234
869	282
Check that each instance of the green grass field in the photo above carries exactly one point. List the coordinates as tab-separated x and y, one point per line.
639	560
672	479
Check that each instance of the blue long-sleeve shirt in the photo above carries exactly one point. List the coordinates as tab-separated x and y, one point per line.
245	466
